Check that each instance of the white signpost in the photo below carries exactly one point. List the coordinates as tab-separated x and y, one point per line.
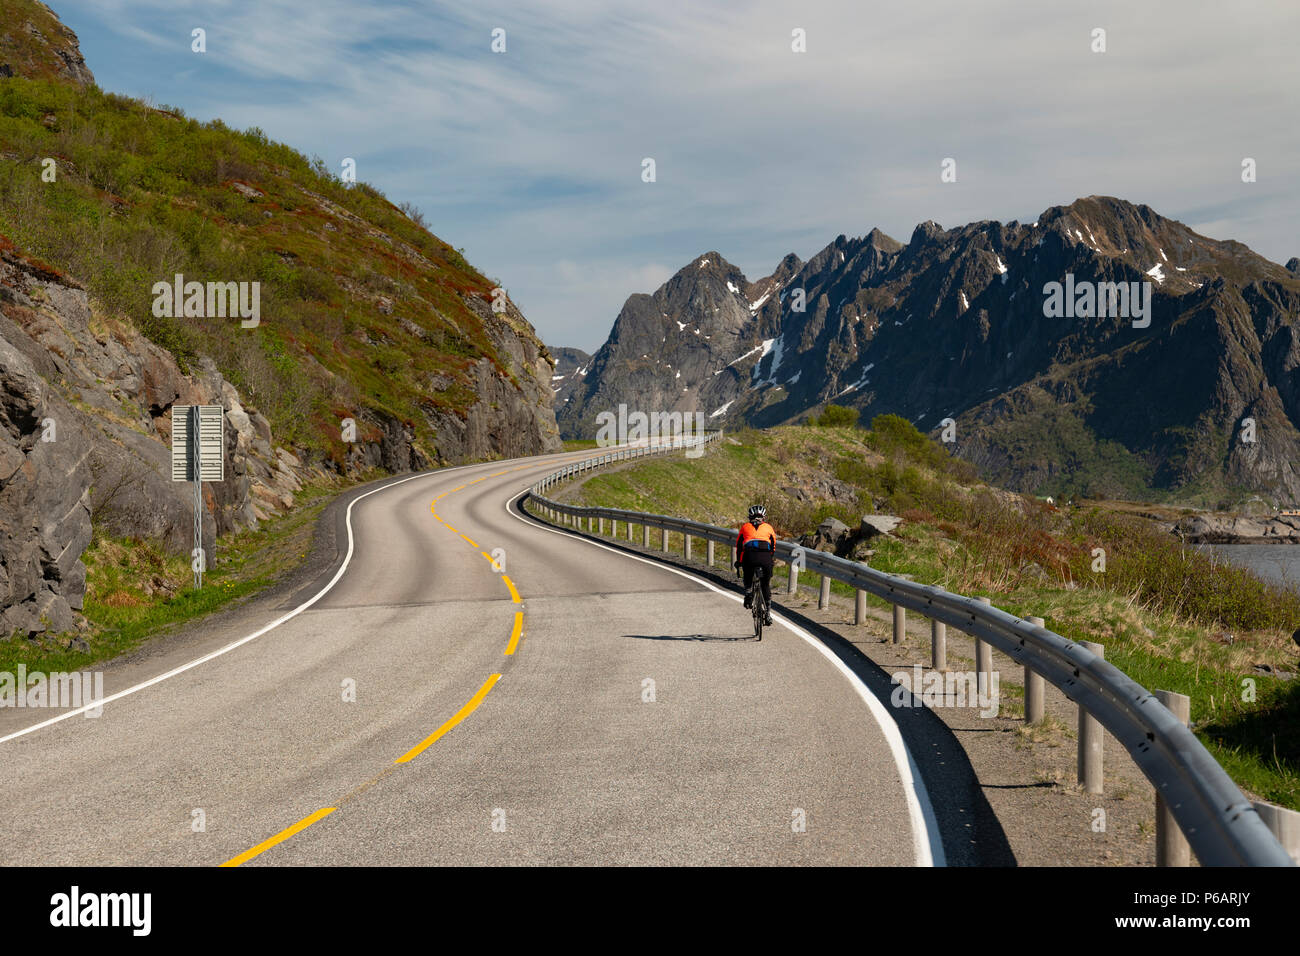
198	446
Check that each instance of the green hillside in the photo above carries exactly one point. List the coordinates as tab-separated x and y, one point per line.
360	305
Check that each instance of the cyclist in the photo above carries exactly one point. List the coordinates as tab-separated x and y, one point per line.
755	552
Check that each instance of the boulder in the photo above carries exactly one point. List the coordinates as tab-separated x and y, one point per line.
833	534
873	525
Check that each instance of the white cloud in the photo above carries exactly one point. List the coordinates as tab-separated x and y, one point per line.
533	157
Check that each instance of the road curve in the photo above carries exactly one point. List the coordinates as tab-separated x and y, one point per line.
565	704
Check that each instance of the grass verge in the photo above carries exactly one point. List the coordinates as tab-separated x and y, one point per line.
135	589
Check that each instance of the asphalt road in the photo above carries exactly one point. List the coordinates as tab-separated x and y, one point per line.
576	706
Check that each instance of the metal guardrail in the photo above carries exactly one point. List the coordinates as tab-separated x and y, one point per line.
1219	823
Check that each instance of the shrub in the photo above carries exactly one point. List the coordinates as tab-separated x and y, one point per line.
837	416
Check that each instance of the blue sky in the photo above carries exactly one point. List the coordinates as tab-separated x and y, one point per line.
531	159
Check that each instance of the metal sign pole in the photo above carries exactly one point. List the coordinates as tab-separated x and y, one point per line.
195	458
198	442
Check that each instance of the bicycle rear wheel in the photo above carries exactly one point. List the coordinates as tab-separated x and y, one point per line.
760	611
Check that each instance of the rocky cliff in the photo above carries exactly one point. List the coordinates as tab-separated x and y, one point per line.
85	410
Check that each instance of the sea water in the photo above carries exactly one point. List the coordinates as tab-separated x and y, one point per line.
1279	563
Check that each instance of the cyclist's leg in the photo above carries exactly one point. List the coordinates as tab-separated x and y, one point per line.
767	584
748	570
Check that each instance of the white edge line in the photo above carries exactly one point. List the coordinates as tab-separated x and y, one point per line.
243	640
927	844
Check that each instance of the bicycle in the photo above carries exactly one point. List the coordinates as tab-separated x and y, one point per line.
760	610
759	605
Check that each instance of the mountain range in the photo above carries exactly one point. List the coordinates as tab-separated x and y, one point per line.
957	324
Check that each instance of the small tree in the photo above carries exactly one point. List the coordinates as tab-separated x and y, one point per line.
413	213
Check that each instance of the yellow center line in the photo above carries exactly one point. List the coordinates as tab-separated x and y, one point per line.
280	837
514	635
459	716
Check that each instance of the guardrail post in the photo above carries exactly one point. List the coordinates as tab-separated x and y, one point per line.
1285	825
824	593
900	623
1172	848
983	661
860	608
686	546
600	522
938	645
792	586
1090	739
665	541
1035	687
710	552
645	536
629	530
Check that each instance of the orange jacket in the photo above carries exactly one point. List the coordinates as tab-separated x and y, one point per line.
763	538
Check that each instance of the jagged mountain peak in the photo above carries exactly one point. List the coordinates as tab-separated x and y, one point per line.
1163	248
879	240
926	232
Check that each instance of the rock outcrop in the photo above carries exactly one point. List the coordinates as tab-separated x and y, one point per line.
1238	529
838	538
85	430
34	42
